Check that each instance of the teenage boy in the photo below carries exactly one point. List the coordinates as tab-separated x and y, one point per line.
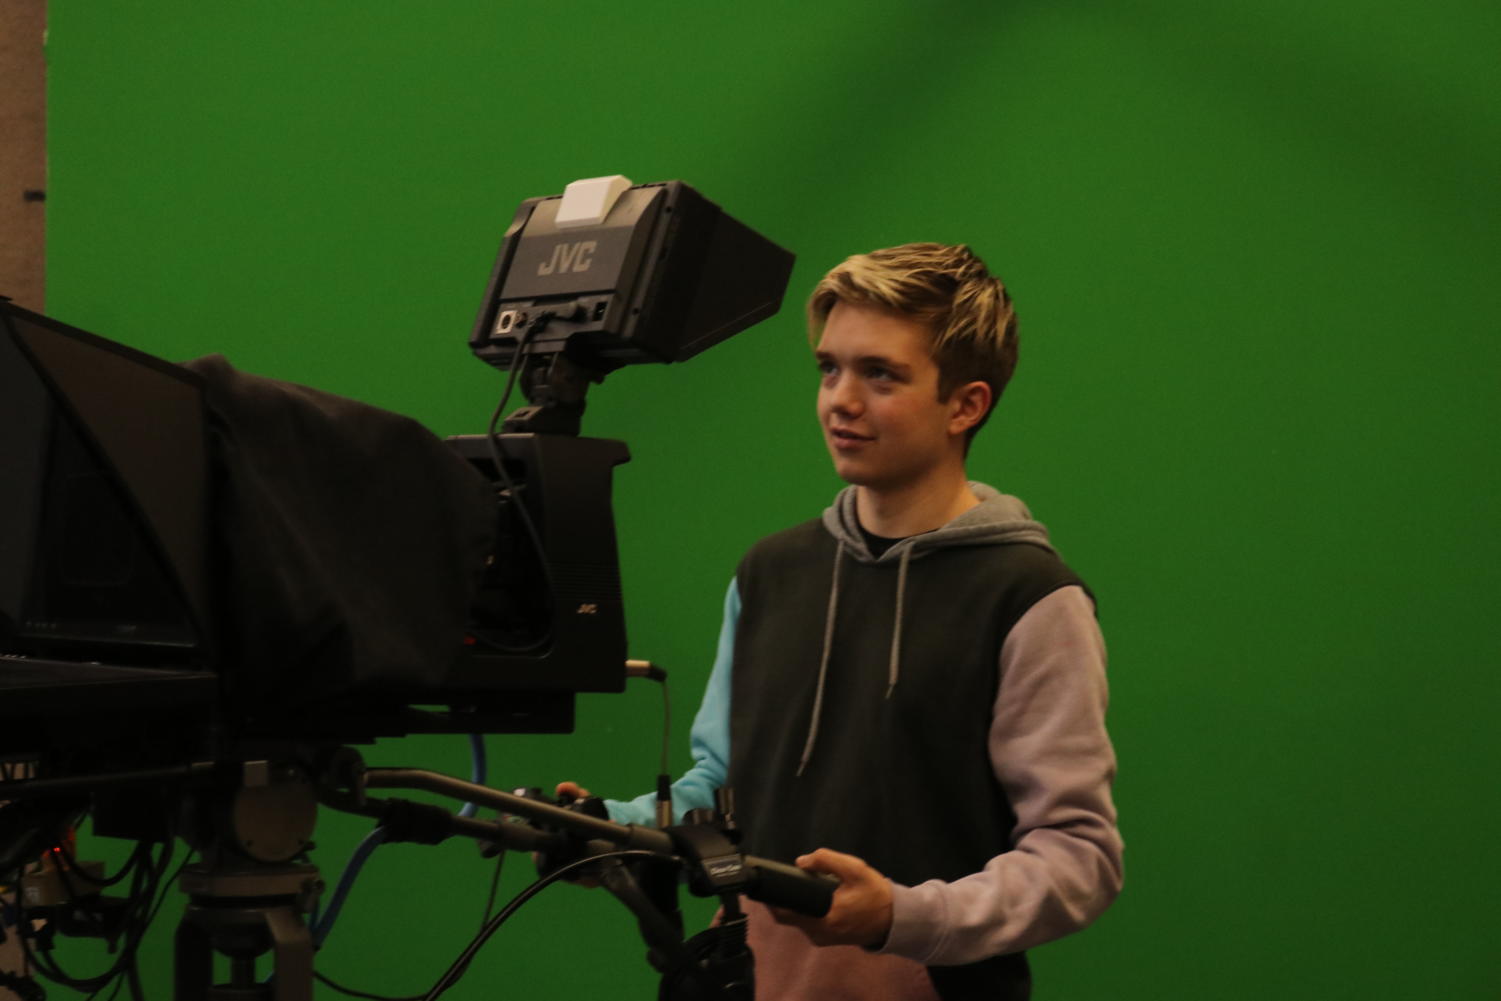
913	684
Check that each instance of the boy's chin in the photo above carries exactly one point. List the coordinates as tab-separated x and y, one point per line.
850	472
855	476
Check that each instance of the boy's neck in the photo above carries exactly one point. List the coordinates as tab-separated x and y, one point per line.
896	514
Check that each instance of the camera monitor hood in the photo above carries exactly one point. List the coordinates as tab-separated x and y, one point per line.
611	273
103	505
631	273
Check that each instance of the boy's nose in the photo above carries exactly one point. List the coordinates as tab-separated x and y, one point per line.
844	397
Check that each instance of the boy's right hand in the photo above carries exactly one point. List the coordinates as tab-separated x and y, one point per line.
571	789
568	792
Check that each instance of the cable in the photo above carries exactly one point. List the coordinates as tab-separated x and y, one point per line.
147	892
500	857
323	922
74	896
141	850
456	970
476	769
666	722
326	979
357	860
518	362
162	895
133	978
150	886
22	986
161	898
523	350
646	669
119	983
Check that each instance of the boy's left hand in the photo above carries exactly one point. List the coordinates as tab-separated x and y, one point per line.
861	911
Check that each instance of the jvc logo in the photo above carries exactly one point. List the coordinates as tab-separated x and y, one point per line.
569	257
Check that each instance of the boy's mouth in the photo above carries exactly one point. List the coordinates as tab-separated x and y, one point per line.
844	438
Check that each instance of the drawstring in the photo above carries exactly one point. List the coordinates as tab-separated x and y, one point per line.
823	662
894	668
894	665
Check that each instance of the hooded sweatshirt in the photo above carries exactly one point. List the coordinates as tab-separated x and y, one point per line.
937	711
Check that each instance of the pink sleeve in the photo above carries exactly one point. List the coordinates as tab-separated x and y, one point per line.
1051	753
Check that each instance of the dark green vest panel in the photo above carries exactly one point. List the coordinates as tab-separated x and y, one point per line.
905	781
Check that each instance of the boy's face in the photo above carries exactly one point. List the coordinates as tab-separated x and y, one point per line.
878	400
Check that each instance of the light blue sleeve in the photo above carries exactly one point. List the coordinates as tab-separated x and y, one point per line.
709	739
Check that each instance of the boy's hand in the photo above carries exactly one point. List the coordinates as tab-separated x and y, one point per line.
861	911
571	789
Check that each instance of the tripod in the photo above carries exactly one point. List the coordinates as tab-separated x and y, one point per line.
248	896
243	912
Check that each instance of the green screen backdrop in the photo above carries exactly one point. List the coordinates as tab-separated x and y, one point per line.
1254	250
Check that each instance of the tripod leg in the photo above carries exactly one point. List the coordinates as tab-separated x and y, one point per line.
292	954
193	962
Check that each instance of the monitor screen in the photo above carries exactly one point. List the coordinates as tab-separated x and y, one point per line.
84	573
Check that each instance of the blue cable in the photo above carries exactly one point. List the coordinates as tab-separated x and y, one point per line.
476	769
323	922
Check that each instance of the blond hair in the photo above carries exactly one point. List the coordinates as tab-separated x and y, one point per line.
946	288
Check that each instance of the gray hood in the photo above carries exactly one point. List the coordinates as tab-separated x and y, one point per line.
998	518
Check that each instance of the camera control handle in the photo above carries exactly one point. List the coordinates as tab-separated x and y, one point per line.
783	885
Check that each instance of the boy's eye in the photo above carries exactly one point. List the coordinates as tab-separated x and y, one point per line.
877	372
825	367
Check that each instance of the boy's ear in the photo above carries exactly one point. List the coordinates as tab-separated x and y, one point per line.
968	405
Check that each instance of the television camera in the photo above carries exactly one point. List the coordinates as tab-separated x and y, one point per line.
212	584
